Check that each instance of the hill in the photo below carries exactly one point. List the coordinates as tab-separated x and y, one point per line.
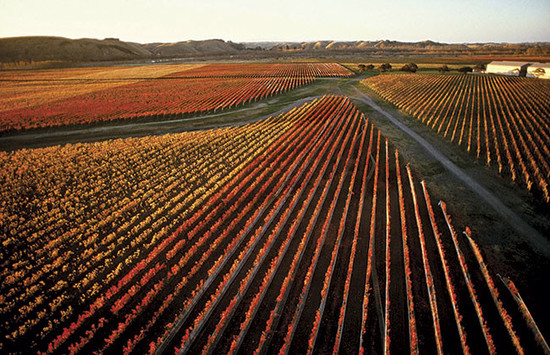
25	50
35	49
38	49
387	47
186	48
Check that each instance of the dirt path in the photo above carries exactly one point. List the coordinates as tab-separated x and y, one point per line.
135	129
537	241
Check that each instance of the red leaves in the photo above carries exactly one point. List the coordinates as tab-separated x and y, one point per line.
135	100
427	270
366	292
494	292
467	278
347	285
526	315
171	96
508	116
413	338
388	254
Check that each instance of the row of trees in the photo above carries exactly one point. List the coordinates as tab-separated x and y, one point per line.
413	67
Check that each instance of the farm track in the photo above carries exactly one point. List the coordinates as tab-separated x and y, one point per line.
137	129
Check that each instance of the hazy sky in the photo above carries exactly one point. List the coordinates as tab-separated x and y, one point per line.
290	20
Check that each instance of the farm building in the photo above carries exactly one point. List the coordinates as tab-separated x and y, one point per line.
507	68
539	70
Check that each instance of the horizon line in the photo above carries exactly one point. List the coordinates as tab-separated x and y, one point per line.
283	40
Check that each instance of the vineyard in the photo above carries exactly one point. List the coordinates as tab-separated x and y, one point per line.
30	102
502	120
266	70
27	88
304	232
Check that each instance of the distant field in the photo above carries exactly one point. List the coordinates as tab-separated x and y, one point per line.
251	70
149	99
27	88
504	121
302	232
41	99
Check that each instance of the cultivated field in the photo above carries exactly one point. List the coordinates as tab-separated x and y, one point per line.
502	120
76	97
267	70
304	232
27	88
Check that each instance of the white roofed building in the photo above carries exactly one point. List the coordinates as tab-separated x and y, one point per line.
530	70
539	70
507	68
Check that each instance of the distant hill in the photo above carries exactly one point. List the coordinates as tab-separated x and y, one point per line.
213	46
40	49
388	47
36	49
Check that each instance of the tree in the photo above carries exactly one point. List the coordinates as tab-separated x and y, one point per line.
362	67
465	70
410	67
444	68
370	67
385	67
479	67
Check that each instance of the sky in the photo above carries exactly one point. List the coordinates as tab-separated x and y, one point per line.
145	21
